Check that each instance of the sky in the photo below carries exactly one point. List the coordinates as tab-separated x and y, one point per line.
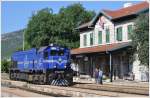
16	14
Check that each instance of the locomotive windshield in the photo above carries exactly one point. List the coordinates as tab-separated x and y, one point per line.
60	52
56	52
53	52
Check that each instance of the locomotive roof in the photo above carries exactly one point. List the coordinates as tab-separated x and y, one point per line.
35	50
42	48
45	47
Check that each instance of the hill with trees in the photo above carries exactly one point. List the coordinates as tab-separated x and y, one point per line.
10	42
45	27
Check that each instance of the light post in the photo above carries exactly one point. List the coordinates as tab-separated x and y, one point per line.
110	63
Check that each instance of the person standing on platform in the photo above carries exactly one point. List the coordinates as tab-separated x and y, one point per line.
96	73
100	76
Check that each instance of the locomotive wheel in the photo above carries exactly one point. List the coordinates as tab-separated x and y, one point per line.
14	75
29	78
17	76
26	76
70	81
10	75
42	79
50	78
35	79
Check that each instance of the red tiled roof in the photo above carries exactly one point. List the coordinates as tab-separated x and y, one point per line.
114	14
127	10
101	48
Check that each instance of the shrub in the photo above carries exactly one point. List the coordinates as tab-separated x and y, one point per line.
5	66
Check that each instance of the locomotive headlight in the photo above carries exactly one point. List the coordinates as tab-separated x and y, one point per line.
65	66
59	59
55	66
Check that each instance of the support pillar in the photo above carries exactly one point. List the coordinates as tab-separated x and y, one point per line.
110	66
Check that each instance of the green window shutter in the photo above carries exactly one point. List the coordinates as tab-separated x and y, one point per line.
107	36
100	37
119	34
129	31
85	40
91	38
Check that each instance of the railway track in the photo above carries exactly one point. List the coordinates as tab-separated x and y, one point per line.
66	91
140	90
16	92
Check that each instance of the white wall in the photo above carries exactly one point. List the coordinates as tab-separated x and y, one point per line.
124	26
113	28
108	24
139	70
88	38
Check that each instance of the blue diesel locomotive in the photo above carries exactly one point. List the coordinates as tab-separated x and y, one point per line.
47	65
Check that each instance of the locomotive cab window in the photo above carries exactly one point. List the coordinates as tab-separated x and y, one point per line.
53	52
46	55
60	52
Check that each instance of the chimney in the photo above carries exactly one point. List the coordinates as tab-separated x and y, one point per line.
127	4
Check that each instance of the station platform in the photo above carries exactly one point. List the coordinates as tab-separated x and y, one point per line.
79	90
114	82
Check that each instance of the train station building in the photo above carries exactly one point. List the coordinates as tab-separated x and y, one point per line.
105	43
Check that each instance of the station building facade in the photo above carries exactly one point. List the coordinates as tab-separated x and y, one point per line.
105	43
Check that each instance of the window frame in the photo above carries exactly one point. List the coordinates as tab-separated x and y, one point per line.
100	41
91	39
129	31
107	35
119	34
85	40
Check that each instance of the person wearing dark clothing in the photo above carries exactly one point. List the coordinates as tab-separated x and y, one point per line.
114	74
96	76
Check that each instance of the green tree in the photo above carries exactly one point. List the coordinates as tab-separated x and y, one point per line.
40	28
5	66
140	38
45	27
70	18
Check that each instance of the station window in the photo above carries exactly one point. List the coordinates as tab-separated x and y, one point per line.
85	40
107	36
46	55
129	31
91	38
119	34
100	37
